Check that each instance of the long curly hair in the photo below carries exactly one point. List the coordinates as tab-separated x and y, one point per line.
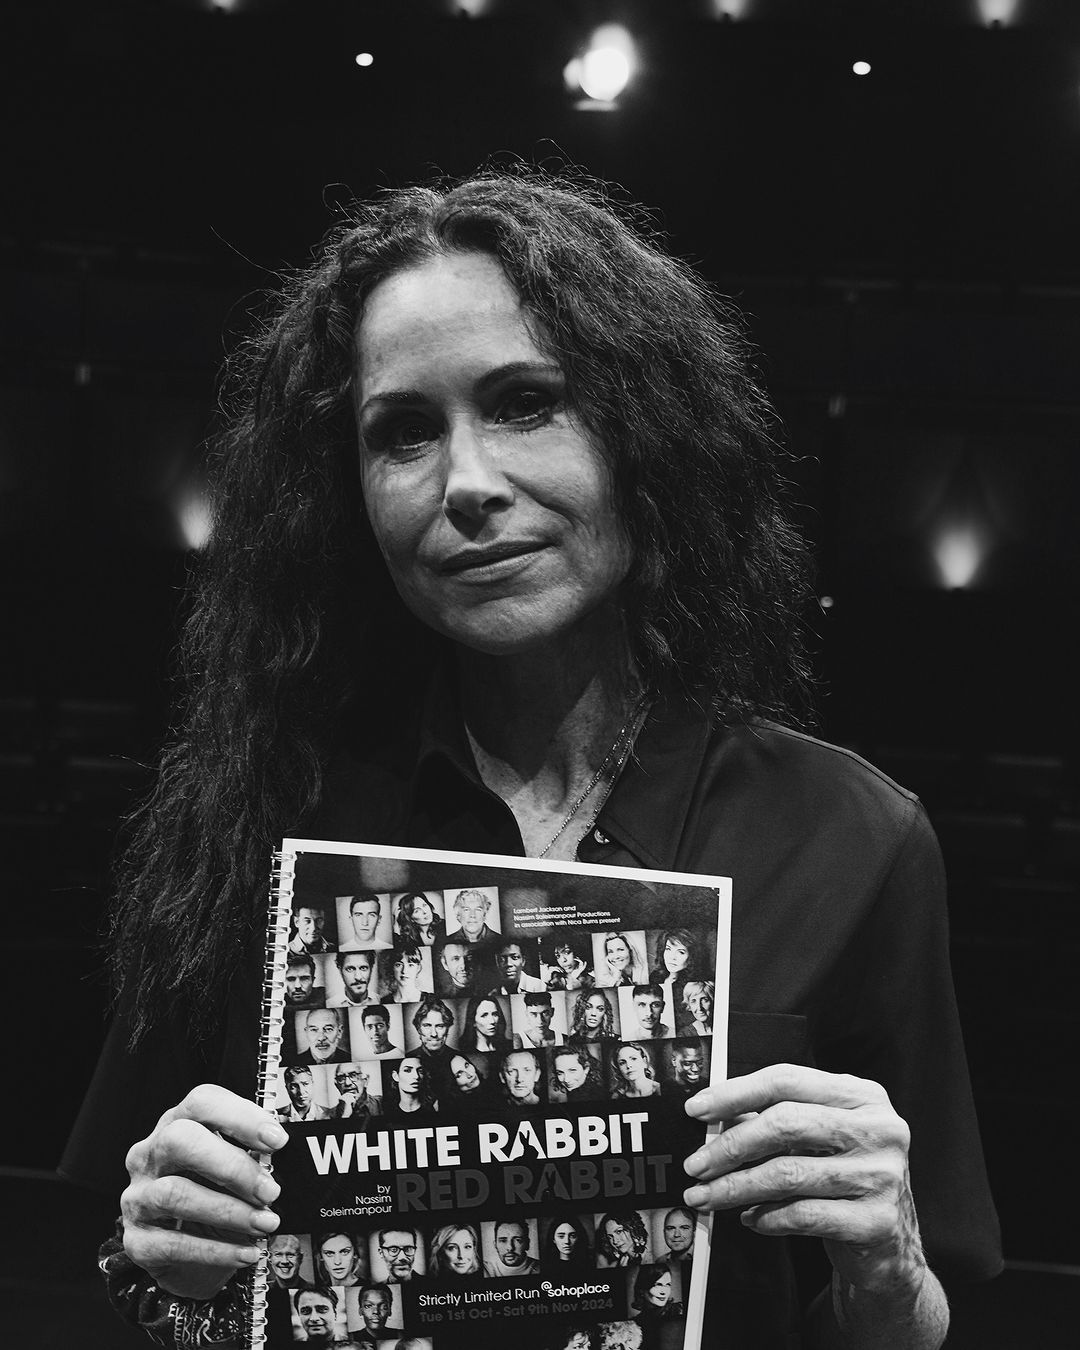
291	586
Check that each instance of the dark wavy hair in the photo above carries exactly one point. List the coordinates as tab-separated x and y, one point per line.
291	585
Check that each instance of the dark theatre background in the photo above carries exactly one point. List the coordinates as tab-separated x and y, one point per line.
905	244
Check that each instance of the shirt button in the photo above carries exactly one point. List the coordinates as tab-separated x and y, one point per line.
599	837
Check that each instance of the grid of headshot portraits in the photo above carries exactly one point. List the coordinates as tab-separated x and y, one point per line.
433	1001
344	1284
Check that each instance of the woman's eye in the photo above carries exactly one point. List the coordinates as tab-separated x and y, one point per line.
403	436
526	405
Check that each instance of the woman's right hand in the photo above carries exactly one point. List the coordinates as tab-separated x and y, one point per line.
197	1201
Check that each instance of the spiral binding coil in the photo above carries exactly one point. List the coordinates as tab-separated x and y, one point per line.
282	875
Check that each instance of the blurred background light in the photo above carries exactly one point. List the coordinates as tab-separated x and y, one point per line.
193	517
999	11
959	551
606	67
861	68
364	58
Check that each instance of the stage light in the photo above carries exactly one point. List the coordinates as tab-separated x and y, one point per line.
959	551
998	13
364	58
607	66
730	9
861	68
193	517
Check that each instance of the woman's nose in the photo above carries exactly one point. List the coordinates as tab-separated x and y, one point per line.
475	486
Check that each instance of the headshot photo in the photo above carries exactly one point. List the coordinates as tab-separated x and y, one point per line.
510	1248
373	1311
685	1066
377	1031
632	1070
622	1237
404	973
407	1087
576	1074
516	966
645	1011
318	1315
340	1258
673	1232
539	1020
305	982
430	1028
312	928
305	1094
355	1090
653	1294
465	1089
619	958
455	1252
594	1016
288	1261
473	911
566	1246
363	921
570	1336
397	1255
322	1036
351	978
486	1024
418	917
696	1013
619	1336
521	1078
566	960
457	965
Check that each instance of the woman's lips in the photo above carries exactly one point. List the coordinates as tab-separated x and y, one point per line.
479	559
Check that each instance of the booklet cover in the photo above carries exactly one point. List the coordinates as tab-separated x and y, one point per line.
482	1063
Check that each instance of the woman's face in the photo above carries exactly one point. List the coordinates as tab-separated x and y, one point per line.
618	953
565	959
659	1294
619	1239
487	1019
675	956
461	1253
700	1004
338	1255
564	1239
421	912
630	1063
593	1014
491	506
464	1072
406	967
578	1341
569	1073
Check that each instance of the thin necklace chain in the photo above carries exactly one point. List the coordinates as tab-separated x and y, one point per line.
612	765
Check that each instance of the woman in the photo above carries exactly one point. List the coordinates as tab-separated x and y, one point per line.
466	1092
575	1074
676	962
658	1313
339	1259
411	1088
495	430
631	1071
621	1238
565	962
403	974
566	1249
593	1019
455	1252
697	1002
622	961
485	1028
416	922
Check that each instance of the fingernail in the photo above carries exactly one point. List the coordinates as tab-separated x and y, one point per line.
695	1196
265	1220
696	1162
267	1190
247	1256
273	1135
697	1105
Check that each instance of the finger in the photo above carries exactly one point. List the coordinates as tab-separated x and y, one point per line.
219	1109
789	1178
165	1200
157	1249
783	1082
851	1222
798	1128
184	1146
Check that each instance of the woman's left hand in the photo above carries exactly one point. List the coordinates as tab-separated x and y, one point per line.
817	1154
